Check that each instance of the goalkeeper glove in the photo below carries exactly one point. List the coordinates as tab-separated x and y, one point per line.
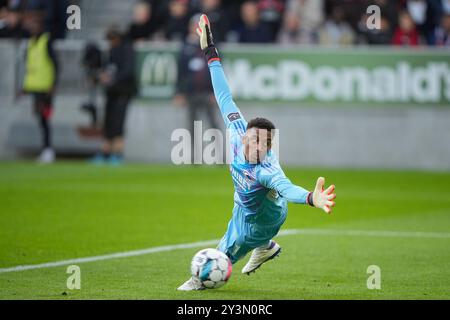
321	198
206	39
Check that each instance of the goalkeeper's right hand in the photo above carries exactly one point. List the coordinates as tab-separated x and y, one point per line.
206	39
321	198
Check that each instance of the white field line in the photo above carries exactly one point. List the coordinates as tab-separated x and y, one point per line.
314	232
367	233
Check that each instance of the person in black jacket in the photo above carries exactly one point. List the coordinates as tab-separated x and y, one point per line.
119	81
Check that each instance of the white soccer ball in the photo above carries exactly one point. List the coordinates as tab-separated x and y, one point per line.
212	267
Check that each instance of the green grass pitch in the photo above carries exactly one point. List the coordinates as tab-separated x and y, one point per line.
73	210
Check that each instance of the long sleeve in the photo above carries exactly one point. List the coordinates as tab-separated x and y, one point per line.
272	177
230	112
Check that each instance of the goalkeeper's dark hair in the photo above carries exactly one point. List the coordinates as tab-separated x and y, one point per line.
261	123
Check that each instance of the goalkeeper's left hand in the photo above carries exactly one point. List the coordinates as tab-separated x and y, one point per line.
321	198
206	39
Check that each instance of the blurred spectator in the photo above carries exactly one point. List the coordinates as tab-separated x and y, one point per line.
417	9
217	16
382	36
352	8
426	15
11	25
251	29
55	15
119	82
301	21
40	79
233	18
15	4
271	14
443	32
434	16
291	31
406	33
159	12
446	7
142	26
336	31
176	25
389	11
3	7
193	87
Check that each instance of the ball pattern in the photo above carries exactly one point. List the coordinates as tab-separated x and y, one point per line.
212	267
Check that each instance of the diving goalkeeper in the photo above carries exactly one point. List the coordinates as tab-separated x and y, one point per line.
262	190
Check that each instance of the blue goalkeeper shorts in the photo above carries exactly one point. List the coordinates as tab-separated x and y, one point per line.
245	234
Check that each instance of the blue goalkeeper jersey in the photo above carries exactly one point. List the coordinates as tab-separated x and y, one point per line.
261	190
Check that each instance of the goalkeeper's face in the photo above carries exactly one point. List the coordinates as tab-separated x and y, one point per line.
257	142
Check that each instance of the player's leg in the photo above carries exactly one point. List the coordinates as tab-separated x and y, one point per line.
43	110
260	255
234	243
106	148
191	284
193	115
266	249
118	122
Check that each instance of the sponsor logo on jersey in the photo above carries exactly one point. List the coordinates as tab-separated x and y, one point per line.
240	180
233	116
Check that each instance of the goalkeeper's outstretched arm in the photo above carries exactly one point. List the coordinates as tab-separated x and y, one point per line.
273	177
230	112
